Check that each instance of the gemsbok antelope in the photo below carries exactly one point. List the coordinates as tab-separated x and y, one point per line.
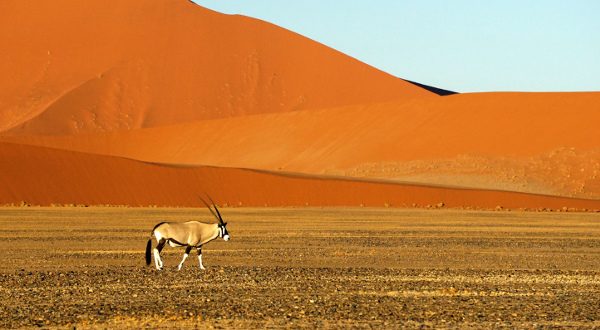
191	234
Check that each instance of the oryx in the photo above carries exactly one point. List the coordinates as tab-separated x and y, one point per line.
191	234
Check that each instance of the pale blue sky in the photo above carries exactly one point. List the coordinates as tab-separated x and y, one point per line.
461	45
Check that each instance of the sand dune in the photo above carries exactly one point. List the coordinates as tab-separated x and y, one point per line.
42	176
532	142
173	83
86	66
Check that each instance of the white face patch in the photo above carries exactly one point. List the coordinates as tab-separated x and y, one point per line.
223	233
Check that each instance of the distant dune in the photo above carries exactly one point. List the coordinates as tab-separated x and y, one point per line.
43	176
206	95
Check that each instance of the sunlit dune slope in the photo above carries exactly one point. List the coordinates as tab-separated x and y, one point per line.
71	66
43	176
533	142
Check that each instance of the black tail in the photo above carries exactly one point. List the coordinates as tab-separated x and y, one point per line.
149	252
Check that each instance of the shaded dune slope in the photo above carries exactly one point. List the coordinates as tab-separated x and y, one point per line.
86	66
43	176
436	90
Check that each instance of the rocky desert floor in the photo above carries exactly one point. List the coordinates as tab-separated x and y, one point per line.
302	268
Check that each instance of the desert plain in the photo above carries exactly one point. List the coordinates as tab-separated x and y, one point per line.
303	268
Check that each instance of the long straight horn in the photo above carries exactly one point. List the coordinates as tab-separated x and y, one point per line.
210	209
216	209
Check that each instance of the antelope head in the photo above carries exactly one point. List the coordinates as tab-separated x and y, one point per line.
222	225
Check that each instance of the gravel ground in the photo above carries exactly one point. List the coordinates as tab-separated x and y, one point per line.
286	296
84	268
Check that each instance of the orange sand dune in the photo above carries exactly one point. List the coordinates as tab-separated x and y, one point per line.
71	66
171	82
43	176
533	142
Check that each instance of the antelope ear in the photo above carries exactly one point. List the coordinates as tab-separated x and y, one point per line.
224	223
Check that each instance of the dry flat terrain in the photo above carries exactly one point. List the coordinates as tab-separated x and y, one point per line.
304	267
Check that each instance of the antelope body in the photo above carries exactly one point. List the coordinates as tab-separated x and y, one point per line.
191	234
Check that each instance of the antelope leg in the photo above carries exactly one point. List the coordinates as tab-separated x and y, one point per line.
157	260
200	258
185	255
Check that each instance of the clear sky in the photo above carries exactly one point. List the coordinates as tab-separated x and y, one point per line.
461	45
